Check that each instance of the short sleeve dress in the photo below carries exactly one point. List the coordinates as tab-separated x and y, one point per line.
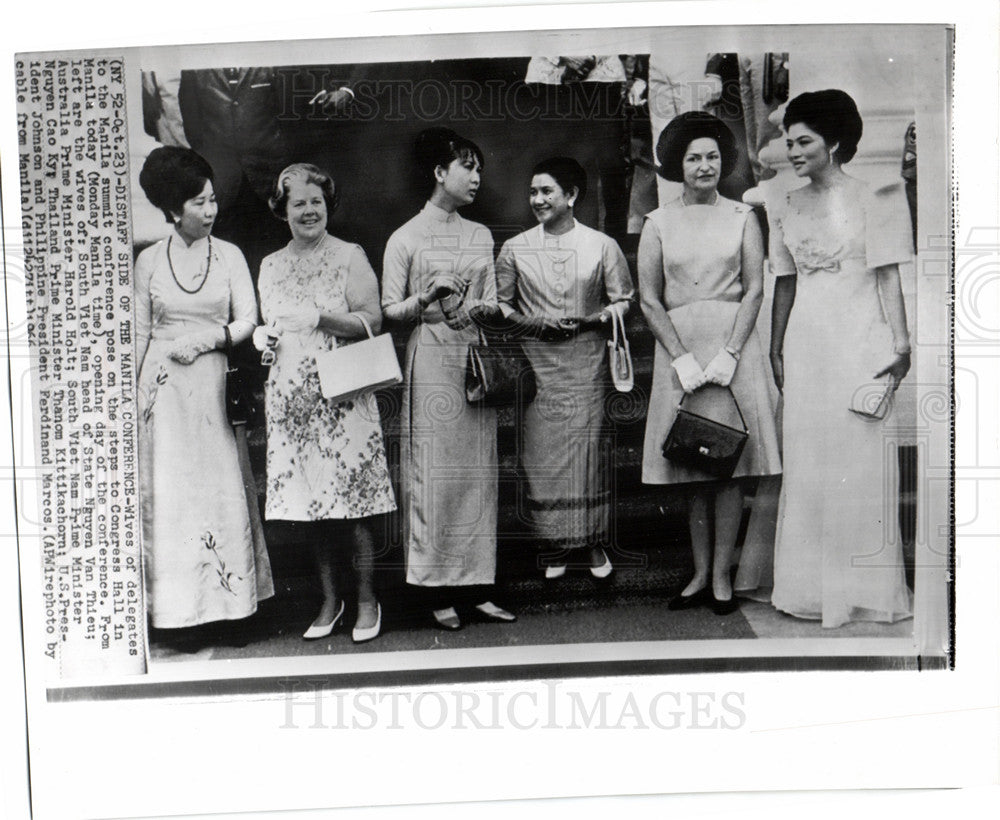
325	460
199	558
701	247
837	554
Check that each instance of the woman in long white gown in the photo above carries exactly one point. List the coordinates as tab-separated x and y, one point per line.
838	334
194	299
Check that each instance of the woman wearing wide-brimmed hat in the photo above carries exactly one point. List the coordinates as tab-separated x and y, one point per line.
701	260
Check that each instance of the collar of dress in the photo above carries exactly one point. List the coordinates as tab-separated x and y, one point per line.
558	240
439	214
180	247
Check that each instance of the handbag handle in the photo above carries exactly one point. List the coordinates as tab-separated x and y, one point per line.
364	321
736	404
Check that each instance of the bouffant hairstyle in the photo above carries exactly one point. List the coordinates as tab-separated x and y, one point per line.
567	172
171	176
442	146
833	115
684	129
308	174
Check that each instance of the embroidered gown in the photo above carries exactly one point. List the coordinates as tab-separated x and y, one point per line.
838	556
571	275
198	554
448	458
325	460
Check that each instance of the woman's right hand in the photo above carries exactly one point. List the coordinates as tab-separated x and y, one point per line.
778	369
689	372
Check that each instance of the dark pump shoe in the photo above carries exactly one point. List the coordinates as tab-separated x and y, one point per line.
703	597
724	607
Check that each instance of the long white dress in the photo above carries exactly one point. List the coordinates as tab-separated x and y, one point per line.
199	557
838	555
448	452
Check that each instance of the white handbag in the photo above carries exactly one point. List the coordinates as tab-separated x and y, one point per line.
344	372
619	355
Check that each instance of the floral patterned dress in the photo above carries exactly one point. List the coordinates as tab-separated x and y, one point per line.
199	560
325	460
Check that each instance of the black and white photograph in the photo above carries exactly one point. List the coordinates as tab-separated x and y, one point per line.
557	375
580	283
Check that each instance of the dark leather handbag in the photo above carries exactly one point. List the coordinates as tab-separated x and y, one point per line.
498	373
704	444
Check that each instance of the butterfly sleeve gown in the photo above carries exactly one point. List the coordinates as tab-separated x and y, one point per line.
838	556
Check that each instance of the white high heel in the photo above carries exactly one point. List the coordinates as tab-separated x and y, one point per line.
315	632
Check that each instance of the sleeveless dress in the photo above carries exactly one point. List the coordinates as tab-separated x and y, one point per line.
563	433
199	557
702	289
325	460
838	556
448	447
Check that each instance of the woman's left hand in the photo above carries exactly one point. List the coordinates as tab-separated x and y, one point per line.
595	321
898	369
189	347
721	369
457	319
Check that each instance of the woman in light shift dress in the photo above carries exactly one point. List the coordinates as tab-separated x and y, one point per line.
438	274
194	300
701	260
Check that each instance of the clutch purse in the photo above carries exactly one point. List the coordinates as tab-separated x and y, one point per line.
619	355
701	443
498	374
873	401
344	372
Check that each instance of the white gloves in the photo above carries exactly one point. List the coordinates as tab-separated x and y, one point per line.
300	320
264	337
689	372
721	369
189	347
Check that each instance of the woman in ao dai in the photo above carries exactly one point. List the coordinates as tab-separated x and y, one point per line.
438	277
194	300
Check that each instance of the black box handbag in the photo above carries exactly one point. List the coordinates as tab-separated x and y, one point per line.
704	444
498	373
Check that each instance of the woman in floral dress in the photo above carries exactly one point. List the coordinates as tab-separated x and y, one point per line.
194	299
326	460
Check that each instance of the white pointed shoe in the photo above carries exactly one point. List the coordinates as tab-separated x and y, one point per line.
360	635
315	632
604	570
555	571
